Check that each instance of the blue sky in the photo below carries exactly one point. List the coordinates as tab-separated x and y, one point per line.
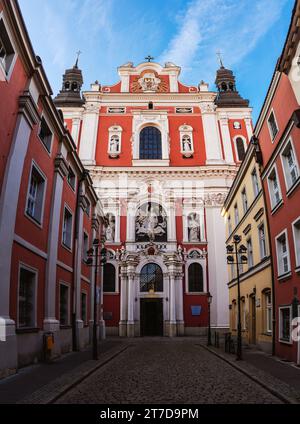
249	33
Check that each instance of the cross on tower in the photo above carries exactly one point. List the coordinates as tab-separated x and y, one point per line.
149	58
78	54
219	54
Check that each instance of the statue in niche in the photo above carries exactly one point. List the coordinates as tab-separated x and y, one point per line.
194	227
114	144
186	143
151	223
110	229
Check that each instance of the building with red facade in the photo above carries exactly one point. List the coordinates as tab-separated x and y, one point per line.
278	131
49	213
162	156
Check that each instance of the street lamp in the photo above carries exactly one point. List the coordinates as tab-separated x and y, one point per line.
93	256
236	255
209	300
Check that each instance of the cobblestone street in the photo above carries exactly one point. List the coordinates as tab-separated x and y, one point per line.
167	371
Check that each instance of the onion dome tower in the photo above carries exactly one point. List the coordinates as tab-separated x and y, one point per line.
228	96
70	94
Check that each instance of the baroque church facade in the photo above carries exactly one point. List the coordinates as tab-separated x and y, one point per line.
162	156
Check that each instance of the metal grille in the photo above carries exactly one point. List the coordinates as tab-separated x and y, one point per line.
151	278
150	143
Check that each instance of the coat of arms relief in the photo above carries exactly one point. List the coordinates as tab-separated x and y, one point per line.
148	82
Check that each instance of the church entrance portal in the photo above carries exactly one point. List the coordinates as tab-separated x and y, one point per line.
151	317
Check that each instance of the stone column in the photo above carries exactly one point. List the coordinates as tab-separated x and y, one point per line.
211	133
76	129
27	118
179	304
77	270
51	323
89	134
123	303
130	320
227	145
172	303
130	231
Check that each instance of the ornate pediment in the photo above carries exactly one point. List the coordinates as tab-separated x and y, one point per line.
149	82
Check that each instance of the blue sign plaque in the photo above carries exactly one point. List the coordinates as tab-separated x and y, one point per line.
196	310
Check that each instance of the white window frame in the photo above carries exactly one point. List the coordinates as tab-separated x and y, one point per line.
36	273
271	188
262	224
43	176
279	255
229	225
245	200
268	307
254	172
5	75
52	137
269	126
190	261
236	214
280	325
62	283
288	183
75	178
115	265
66	207
297	257
249	239
235	146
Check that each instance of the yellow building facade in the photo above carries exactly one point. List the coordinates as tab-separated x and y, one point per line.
244	212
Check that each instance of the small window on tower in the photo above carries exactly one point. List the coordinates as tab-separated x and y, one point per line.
150	106
67	86
74	86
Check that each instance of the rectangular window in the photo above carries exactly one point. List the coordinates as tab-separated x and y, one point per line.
274	189
71	178
273	126
35	197
283	259
27	306
84	307
45	134
290	166
245	200
88	207
7	52
67	228
250	253
296	232
255	182
285	324
236	214
64	304
268	300
85	246
229	226
262	241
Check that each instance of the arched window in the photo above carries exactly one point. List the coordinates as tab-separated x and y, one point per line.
67	85
151	278
74	86
240	148
195	278
109	278
150	143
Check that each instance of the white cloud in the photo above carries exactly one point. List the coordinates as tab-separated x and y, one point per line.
209	25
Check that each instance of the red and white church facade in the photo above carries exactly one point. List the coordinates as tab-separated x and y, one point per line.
162	156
